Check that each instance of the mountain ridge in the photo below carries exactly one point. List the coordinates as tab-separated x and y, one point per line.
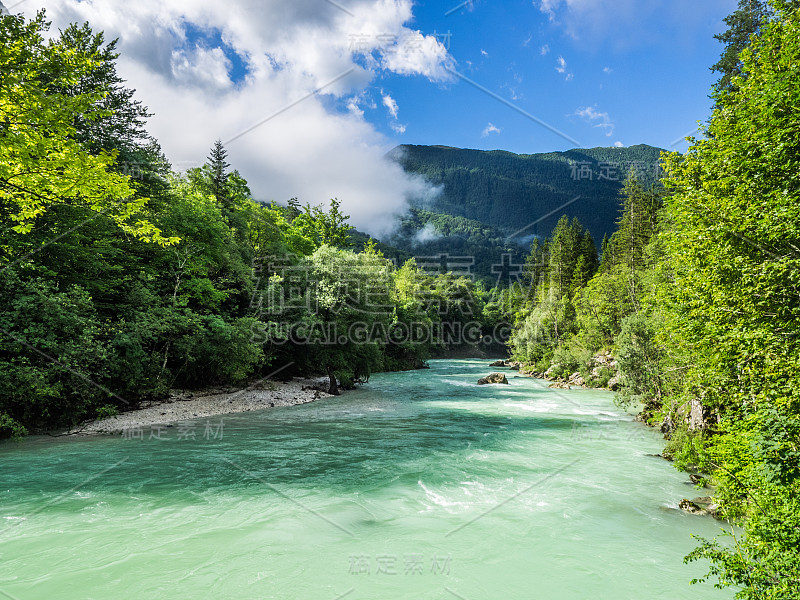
508	190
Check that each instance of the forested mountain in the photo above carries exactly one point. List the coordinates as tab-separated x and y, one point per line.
518	192
444	242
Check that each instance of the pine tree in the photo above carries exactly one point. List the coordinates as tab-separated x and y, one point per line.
605	254
746	21
219	173
635	226
563	253
589	252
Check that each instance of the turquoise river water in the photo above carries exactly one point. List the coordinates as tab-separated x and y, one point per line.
420	485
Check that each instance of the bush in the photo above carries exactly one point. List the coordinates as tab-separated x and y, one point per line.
685	449
106	411
603	377
55	361
9	428
639	358
542	365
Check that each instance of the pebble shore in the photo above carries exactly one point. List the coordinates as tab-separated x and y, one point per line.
186	406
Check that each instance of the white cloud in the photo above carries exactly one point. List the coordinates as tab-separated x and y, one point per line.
490	128
416	54
391	104
427	234
608	70
598	119
353	107
545	50
484	52
561	67
619	144
311	145
210	68
549	7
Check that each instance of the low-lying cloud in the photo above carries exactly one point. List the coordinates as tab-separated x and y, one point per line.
427	234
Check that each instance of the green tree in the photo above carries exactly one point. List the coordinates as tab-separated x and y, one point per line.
42	164
352	310
745	22
734	257
218	166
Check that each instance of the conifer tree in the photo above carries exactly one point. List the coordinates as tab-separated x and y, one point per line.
746	21
219	173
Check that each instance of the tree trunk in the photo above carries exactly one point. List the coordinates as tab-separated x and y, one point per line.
333	389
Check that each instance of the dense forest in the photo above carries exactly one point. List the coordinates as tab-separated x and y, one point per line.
698	296
524	195
466	245
121	279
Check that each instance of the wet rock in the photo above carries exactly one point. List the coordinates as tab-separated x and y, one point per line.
697	479
493	378
703	505
691	507
560	385
576	379
498	363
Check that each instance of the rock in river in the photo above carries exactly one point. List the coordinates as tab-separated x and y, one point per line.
699	506
493	378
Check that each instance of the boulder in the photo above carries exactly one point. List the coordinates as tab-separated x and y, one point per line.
613	383
493	378
560	384
551	371
699	506
667	425
691	507
697	479
696	416
576	379
498	363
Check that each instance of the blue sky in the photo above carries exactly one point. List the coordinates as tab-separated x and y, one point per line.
309	95
649	85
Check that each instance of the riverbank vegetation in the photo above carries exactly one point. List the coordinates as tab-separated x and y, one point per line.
698	294
121	279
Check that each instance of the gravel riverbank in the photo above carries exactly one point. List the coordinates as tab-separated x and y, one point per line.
186	406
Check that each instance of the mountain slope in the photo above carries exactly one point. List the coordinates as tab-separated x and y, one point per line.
517	192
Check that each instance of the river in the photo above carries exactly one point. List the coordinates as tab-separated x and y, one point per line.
419	485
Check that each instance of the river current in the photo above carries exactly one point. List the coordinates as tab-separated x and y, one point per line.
420	485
